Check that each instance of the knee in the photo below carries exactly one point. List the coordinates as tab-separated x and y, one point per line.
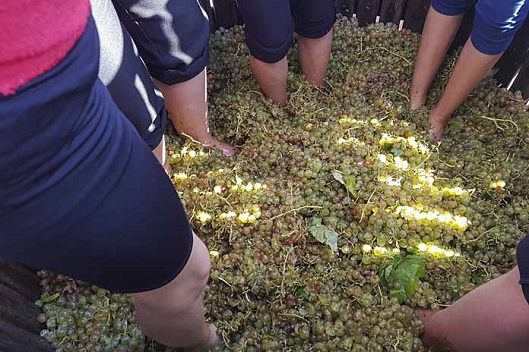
202	267
270	46
182	292
269	28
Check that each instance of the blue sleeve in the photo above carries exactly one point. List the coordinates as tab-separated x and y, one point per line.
496	23
451	7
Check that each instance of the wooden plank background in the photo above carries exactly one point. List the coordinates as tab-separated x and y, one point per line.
19	329
367	11
392	10
513	68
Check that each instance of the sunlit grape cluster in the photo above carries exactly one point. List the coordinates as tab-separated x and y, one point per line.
327	192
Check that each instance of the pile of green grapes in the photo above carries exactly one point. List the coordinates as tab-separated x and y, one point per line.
337	218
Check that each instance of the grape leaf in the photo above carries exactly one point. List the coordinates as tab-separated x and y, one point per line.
338	176
397	151
323	234
403	275
47	298
300	292
348	182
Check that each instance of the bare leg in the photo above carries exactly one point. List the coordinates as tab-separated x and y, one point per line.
314	55
187	105
439	32
272	78
160	154
174	314
494	317
471	67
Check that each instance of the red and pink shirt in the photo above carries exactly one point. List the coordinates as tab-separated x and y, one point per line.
35	35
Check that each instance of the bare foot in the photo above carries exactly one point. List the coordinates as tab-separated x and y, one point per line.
213	340
224	148
212	142
437	126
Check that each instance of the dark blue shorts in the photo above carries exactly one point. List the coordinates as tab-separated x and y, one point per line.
172	36
80	193
270	24
495	24
124	74
522	257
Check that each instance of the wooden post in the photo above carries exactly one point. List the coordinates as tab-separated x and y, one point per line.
345	7
226	13
19	329
367	11
392	11
415	15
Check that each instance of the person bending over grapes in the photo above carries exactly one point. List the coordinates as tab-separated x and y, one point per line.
269	26
170	37
495	25
494	317
81	194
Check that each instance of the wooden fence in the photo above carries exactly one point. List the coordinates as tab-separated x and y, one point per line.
513	68
19	328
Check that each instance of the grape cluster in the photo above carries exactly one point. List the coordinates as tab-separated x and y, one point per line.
84	318
353	164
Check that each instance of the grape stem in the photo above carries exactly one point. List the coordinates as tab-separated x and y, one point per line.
284	271
395	54
226	282
477	238
520	174
294	315
365	206
501	120
296	209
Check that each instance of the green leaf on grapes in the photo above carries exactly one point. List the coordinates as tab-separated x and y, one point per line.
397	151
387	145
402	276
338	176
476	278
323	234
349	182
47	298
300	292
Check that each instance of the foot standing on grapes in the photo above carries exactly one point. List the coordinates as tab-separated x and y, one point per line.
187	105
437	125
